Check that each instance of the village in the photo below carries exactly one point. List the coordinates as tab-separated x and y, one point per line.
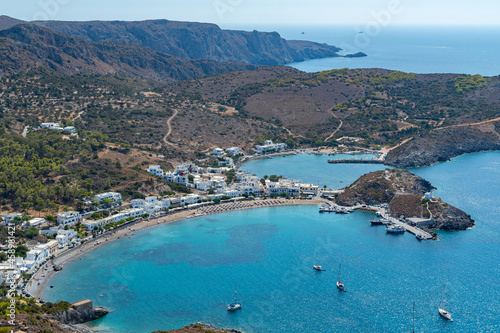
209	186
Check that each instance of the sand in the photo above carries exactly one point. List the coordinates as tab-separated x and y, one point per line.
35	288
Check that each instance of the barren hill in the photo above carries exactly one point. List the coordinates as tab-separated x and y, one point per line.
404	192
23	47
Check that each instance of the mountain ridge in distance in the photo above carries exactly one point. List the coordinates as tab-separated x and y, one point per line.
26	46
192	40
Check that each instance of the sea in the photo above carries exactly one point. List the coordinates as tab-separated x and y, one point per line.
417	49
174	275
177	274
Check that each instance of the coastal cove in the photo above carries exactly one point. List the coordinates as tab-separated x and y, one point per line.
190	268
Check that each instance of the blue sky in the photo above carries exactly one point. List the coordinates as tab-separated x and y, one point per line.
231	12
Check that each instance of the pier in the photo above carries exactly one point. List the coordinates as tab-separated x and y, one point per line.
419	233
356	160
333	207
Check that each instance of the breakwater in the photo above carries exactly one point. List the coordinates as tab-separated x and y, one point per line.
357	160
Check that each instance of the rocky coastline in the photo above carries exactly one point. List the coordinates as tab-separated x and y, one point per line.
404	193
201	328
441	145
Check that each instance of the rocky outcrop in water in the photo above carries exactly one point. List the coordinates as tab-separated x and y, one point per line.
441	145
201	328
73	316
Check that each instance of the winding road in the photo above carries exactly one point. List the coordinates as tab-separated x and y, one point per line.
169	125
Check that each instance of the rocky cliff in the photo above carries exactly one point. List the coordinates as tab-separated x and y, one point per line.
403	191
191	40
27	46
73	316
201	328
442	144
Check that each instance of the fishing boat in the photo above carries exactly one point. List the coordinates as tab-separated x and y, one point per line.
340	285
442	312
376	222
235	305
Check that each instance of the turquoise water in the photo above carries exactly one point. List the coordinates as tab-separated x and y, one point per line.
177	274
314	169
417	49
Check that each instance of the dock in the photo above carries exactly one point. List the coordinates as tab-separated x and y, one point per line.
355	160
419	233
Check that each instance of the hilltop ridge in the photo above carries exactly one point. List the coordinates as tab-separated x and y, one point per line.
192	40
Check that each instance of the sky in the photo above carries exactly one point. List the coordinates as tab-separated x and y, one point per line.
258	12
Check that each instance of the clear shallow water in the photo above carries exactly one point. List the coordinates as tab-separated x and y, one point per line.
177	274
417	49
313	168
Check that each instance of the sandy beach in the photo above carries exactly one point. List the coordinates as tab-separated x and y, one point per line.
40	279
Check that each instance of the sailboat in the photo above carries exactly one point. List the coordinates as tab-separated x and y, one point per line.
340	285
316	266
235	305
442	312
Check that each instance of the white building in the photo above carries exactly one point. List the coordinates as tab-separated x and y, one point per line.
218	152
269	146
37	222
70	129
54	126
114	196
137	203
290	187
68	218
155	170
428	196
309	189
233	150
9	218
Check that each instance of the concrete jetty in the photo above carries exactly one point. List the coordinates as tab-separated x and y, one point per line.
355	160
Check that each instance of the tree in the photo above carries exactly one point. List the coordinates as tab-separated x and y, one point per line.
31	233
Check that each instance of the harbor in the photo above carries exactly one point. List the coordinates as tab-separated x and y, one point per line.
382	212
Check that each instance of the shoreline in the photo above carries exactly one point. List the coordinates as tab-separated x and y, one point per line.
46	272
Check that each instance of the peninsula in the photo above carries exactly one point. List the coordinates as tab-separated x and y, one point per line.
408	195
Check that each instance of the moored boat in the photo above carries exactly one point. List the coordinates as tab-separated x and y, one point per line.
395	229
340	285
235	305
376	222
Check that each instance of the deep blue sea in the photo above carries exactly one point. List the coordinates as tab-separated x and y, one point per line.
417	49
173	275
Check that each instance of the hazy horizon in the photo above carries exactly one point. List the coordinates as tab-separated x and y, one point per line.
265	12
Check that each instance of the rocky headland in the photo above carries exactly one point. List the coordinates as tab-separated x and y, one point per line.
441	145
201	328
404	192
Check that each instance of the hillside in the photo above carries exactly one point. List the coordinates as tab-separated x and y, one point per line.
443	144
191	40
379	106
403	192
23	47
